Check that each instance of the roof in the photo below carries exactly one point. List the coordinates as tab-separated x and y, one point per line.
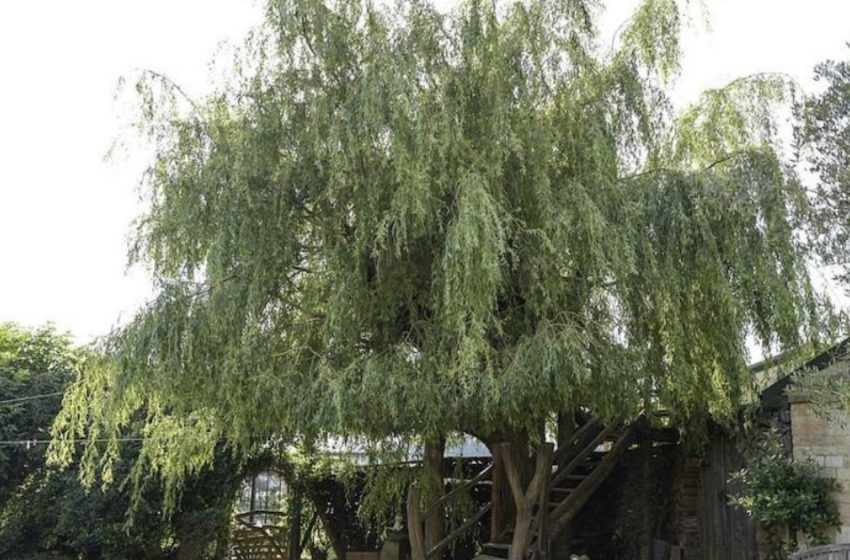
774	396
466	447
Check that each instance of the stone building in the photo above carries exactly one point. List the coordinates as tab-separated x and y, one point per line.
817	430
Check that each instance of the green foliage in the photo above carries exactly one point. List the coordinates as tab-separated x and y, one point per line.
53	511
44	510
397	223
644	493
778	491
828	389
32	362
824	138
385	494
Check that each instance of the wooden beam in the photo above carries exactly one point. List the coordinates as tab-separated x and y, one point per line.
567	450
543	540
459	530
499	492
294	544
585	451
465	486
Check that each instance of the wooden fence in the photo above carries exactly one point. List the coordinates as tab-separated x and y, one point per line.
830	552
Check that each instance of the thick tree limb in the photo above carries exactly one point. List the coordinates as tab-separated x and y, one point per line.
524	499
414	524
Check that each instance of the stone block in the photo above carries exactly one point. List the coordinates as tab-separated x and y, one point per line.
833	462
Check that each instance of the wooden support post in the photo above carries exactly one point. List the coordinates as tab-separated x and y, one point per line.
566	429
326	516
252	504
294	545
543	540
560	546
646	505
414	524
499	491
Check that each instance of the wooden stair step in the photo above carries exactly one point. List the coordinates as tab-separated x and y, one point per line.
496	550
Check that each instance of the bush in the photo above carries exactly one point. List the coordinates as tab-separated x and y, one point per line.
777	491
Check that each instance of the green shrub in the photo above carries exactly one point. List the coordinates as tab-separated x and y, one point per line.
777	491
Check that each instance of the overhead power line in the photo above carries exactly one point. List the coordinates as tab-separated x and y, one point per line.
32	397
33	442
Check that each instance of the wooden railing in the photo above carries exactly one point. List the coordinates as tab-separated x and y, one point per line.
577	498
469	523
266	541
568	448
538	520
551	523
415	516
462	488
829	552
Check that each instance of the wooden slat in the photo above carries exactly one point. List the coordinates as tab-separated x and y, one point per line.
255	543
570	506
467	484
577	438
459	531
582	455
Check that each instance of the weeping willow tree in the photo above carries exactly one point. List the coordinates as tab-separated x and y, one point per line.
824	137
396	223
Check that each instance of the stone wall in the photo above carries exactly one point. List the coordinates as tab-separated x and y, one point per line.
828	442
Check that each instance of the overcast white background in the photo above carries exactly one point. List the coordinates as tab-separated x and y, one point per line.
65	213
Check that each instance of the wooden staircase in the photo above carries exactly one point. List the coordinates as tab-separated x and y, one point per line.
578	470
572	474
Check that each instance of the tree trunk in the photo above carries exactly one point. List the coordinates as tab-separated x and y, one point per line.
524	498
188	545
505	446
434	467
414	524
544	541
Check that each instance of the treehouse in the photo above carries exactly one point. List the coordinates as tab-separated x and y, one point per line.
489	506
608	490
626	489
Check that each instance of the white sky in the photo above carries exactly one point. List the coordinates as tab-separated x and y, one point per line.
65	213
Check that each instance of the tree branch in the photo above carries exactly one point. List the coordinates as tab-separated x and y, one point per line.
171	83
